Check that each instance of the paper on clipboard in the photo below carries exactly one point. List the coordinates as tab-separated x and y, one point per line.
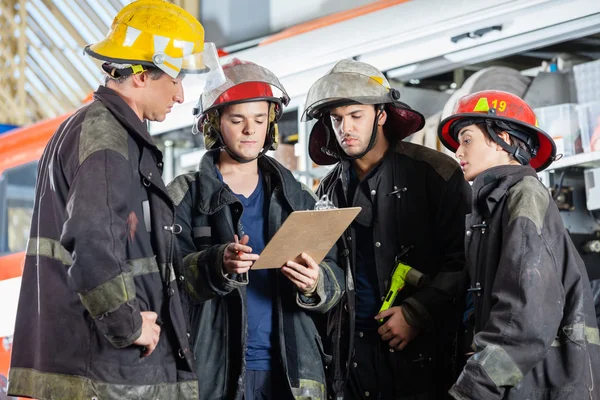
313	232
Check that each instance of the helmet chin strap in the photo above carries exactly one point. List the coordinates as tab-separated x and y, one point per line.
341	154
522	156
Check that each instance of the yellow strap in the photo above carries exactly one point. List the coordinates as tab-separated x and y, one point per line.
137	69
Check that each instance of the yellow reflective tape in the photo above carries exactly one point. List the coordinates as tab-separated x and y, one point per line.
592	335
48	248
309	390
578	333
173	67
142	266
110	295
43	385
114	136
337	291
499	366
192	275
482	105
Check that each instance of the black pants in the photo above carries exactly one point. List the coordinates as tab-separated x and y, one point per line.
376	373
263	385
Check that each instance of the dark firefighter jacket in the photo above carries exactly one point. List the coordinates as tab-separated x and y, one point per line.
101	251
418	200
210	215
535	327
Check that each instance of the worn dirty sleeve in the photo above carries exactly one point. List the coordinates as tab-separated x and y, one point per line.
330	286
95	233
202	265
452	204
527	298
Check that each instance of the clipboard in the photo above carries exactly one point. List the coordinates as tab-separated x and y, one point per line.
313	232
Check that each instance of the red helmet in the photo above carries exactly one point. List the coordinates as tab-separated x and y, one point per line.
508	111
247	91
244	82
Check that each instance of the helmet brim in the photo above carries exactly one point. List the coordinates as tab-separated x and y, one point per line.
402	121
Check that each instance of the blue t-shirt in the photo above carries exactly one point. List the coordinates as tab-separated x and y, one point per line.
367	287
260	289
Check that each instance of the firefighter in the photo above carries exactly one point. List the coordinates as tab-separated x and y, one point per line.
413	203
534	320
99	314
253	334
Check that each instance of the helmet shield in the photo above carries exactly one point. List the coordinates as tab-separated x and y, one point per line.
238	74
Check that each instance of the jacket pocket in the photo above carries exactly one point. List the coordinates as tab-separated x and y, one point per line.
417	363
325	358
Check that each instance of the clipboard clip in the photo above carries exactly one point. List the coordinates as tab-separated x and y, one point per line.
324	203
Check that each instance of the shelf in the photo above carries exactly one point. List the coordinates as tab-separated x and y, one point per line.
583	160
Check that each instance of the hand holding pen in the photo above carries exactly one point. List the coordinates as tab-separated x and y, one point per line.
238	257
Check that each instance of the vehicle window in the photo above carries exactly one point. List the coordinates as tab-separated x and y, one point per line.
17	192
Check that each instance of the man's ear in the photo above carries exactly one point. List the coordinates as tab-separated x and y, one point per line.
382	118
140	80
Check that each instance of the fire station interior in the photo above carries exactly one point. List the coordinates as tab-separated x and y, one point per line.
547	79
560	80
546	75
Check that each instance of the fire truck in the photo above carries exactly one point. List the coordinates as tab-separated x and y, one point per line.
20	151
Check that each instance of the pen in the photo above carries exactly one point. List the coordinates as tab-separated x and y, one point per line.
237	241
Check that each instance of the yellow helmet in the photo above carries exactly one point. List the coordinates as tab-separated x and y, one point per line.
156	33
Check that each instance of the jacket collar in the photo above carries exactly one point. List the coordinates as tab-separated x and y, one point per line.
493	184
125	114
384	164
214	194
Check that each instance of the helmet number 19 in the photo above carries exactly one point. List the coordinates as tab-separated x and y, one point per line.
499	106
